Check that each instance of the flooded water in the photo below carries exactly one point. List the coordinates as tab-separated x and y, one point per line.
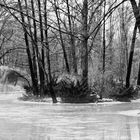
46	121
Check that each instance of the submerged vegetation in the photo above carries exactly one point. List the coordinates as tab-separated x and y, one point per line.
74	91
68	89
71	89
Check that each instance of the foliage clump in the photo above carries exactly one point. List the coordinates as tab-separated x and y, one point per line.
73	90
125	94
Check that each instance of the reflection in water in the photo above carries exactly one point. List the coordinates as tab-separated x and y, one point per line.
39	121
133	128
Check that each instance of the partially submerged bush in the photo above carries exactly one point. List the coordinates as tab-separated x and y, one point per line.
74	91
28	89
54	84
125	94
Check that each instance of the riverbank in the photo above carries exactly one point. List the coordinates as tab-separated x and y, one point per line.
48	100
18	94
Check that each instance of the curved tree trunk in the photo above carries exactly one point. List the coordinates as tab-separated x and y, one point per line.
136	12
131	57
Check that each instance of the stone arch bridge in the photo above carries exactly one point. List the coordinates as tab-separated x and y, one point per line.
14	76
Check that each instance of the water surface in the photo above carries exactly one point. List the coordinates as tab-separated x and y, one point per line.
47	121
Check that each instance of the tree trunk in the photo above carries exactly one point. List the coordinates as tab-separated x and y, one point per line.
33	48
61	38
111	36
138	80
74	62
27	48
84	49
104	52
48	55
104	39
136	12
39	68
42	60
131	57
123	44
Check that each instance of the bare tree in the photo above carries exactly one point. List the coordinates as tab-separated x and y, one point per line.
33	46
56	9
28	49
72	41
84	49
136	12
48	54
131	56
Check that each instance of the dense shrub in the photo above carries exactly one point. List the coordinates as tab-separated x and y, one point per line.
54	86
28	89
74	91
125	94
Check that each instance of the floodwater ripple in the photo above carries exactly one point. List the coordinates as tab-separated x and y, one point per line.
36	121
